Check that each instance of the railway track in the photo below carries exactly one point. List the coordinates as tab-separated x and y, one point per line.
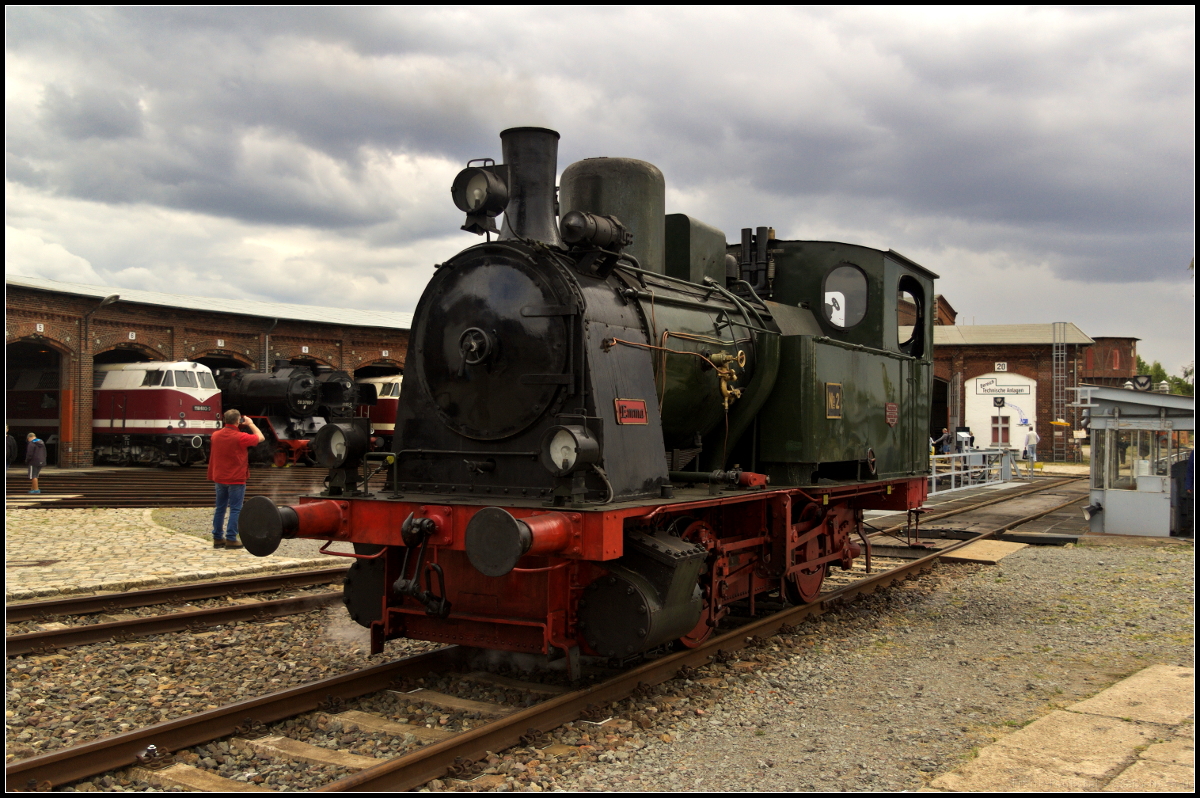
153	487
88	628
957	506
56	635
432	750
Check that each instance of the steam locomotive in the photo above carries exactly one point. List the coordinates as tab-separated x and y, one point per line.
617	428
290	404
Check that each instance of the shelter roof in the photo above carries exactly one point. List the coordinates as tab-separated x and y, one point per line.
1132	406
244	307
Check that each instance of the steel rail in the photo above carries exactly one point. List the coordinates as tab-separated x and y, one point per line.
433	761
174	594
65	765
87	634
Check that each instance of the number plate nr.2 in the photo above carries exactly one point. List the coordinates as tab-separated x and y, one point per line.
833	400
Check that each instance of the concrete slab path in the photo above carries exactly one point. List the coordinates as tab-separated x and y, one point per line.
1136	736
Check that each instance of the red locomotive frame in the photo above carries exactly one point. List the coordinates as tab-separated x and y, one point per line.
759	541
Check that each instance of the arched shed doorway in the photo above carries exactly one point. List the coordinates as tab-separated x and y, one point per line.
33	396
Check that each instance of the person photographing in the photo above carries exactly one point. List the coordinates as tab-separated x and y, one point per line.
228	469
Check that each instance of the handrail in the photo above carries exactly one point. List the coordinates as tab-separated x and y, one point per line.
974	469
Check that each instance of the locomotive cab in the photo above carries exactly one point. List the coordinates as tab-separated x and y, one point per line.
851	401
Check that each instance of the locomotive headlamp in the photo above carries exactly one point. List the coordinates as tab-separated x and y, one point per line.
342	443
482	195
566	449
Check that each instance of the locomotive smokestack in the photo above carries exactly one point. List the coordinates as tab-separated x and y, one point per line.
531	155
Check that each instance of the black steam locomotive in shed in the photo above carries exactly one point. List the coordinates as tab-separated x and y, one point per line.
290	404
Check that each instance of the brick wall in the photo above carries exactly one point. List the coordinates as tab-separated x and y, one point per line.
906	312
1110	361
164	333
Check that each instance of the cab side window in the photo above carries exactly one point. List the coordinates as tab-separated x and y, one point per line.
844	298
910	316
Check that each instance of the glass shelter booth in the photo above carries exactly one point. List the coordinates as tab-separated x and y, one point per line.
1142	447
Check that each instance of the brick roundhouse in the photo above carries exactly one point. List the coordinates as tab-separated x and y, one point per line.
64	329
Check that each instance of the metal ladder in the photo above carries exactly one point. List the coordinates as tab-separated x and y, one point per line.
1059	393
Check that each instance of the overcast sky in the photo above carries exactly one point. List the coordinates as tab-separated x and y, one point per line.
1042	161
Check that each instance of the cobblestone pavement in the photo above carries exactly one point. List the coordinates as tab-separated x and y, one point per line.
49	553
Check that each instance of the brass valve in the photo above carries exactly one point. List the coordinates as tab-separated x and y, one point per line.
721	358
723	361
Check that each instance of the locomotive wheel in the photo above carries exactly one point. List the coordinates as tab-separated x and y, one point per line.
701	534
804	586
704	628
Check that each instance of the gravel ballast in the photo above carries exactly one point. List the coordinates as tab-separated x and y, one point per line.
884	694
889	691
83	693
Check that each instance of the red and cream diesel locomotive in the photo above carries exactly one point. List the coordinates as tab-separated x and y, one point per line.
616	428
149	413
382	414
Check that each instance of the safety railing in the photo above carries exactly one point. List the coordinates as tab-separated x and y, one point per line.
1162	466
971	469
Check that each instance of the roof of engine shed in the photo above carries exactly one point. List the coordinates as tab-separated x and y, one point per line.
992	334
245	307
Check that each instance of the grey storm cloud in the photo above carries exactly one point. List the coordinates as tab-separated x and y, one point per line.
1064	134
92	112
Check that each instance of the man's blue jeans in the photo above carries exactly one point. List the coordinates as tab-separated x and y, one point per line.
231	497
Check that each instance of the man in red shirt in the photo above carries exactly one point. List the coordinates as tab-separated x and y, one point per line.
228	467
